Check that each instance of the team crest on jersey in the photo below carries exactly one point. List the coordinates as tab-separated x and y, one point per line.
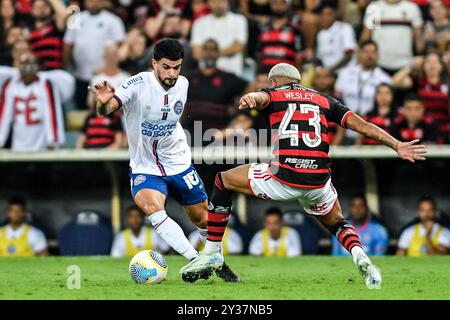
178	107
139	179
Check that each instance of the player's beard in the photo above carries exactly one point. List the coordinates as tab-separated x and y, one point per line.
168	82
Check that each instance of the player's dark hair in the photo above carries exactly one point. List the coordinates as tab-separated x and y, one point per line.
134	208
368	43
359	196
429	199
411	97
17	200
168	48
274	211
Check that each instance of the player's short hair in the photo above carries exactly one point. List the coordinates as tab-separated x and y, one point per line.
429	199
17	200
285	70
412	97
134	208
369	42
274	211
359	196
168	48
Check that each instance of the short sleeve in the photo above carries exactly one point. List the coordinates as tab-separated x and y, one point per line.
126	92
444	239
37	240
69	36
117	29
241	29
338	113
197	37
234	242
118	247
256	247
405	239
416	16
349	38
294	245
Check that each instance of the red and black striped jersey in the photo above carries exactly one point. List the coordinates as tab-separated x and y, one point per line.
384	122
101	131
298	118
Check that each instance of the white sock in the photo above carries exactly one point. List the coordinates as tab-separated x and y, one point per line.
172	233
203	233
212	247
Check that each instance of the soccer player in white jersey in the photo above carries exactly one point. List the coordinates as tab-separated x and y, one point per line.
160	158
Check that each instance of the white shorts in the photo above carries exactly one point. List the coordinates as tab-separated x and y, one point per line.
318	202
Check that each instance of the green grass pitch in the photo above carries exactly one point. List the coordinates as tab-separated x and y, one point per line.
318	277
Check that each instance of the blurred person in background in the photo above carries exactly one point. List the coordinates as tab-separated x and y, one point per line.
336	42
13	36
374	236
45	32
156	26
323	81
427	76
413	124
134	54
258	10
228	29
395	26
275	239
280	40
436	33
356	85
8	20
426	237
211	92
383	114
137	237
18	238
31	106
84	44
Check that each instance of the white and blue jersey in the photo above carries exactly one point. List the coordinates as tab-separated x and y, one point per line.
156	140
374	239
160	158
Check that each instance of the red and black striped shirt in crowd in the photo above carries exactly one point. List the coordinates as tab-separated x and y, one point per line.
426	130
279	45
435	98
300	117
384	122
100	131
46	44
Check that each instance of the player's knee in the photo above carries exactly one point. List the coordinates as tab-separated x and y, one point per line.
150	209
201	220
223	180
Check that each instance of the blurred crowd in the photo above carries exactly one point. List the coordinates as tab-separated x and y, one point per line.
284	234
387	60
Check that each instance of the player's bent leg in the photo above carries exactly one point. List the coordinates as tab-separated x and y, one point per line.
152	203
219	209
348	237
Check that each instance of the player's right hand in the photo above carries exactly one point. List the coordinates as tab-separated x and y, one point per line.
103	92
247	101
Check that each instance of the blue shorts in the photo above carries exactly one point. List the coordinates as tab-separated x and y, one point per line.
186	187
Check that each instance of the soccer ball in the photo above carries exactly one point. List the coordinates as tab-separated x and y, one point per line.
148	266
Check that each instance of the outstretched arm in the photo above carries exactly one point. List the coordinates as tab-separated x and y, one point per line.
406	150
254	100
104	94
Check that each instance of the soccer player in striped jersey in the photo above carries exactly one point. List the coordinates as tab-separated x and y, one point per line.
300	169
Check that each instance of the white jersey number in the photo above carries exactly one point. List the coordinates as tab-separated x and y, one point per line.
292	132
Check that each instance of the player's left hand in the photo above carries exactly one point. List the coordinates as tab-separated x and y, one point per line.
247	101
411	151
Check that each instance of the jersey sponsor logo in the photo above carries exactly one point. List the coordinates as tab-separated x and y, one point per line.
132	81
319	207
178	108
139	179
157	130
302	163
192	179
263	196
